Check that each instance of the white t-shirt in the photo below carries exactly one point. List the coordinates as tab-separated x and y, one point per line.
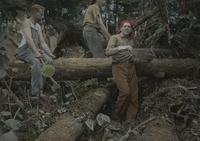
23	40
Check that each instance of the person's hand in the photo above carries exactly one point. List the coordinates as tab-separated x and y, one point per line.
41	51
53	56
130	48
38	54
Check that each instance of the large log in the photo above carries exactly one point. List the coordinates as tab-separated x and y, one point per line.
87	68
68	128
159	129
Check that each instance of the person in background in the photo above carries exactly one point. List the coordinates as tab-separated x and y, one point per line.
32	47
124	72
95	33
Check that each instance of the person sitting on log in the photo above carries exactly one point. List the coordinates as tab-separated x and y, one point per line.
95	33
124	71
32	47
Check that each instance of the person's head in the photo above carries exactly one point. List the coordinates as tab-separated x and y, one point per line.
37	12
126	28
99	2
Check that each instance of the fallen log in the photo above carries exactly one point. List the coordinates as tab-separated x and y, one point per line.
158	52
159	129
69	128
87	68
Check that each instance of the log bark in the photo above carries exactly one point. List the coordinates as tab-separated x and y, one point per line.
68	128
87	68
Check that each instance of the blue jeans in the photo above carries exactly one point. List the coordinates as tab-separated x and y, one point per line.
37	81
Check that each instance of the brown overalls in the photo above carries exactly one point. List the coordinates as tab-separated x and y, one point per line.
124	74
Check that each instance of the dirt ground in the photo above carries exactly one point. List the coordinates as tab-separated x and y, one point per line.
169	111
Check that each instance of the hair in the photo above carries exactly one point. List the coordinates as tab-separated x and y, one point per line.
92	2
36	7
122	22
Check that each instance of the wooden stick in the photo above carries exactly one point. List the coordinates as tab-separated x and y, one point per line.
19	103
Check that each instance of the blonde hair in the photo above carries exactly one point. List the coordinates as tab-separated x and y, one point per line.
36	7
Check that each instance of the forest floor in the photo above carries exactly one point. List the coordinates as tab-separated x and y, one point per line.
169	107
169	110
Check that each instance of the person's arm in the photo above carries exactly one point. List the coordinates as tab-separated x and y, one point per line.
26	29
44	45
112	48
104	29
99	21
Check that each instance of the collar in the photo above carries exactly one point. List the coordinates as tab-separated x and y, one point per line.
122	36
35	26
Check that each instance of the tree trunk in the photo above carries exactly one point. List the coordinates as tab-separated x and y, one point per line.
87	68
70	129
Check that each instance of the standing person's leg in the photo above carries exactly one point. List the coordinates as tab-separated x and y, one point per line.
133	101
119	72
25	54
94	42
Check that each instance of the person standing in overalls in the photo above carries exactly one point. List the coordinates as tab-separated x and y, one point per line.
95	32
33	47
120	48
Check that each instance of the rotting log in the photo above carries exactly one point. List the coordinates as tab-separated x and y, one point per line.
68	128
87	68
